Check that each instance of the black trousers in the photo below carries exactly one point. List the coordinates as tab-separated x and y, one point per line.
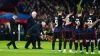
30	40
13	38
39	41
33	41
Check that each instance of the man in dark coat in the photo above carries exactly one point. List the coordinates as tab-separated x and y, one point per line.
13	31
35	32
31	22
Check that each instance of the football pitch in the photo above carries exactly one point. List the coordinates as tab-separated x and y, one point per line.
46	51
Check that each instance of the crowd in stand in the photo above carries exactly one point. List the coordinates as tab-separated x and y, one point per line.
46	9
50	6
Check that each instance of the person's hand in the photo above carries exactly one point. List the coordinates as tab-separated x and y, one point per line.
14	33
76	27
64	19
63	24
42	36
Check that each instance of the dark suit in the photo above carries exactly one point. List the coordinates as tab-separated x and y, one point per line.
34	33
30	22
13	33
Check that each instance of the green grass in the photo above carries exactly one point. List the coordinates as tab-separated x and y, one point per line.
35	52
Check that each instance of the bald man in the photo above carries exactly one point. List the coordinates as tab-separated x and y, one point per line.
35	33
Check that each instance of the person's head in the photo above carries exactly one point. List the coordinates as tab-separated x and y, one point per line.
91	11
59	11
79	13
15	16
71	12
43	24
34	14
2	26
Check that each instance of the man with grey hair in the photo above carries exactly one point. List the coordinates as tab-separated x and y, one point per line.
34	14
31	22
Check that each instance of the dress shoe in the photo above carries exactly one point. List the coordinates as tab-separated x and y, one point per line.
8	46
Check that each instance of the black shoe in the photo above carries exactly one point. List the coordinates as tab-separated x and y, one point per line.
40	48
16	48
8	46
34	48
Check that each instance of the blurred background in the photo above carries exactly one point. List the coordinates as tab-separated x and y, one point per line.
46	10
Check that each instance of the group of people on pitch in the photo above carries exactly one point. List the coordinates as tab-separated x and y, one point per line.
80	28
